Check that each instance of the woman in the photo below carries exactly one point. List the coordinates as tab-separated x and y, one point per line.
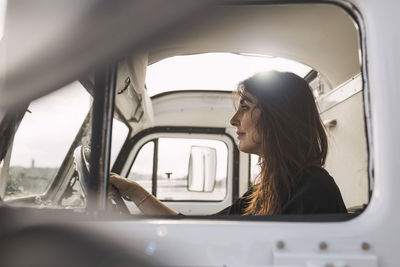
277	119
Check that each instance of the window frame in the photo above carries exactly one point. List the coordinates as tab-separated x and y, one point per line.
153	134
155	158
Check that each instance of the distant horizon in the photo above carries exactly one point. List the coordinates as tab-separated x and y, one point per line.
35	167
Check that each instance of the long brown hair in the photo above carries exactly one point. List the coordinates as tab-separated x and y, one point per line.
293	137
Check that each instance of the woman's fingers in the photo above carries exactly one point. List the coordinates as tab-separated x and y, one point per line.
115	178
112	194
113	190
122	184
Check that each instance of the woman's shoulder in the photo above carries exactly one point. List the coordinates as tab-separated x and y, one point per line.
316	192
316	177
239	206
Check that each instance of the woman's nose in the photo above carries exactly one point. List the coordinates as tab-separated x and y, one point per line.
234	120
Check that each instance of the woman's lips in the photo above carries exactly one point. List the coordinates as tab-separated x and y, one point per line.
239	134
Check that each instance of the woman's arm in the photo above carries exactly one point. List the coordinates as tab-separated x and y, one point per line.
145	201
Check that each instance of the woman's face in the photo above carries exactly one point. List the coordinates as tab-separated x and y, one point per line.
245	120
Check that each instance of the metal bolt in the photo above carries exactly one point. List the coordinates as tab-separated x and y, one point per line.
323	246
280	245
365	246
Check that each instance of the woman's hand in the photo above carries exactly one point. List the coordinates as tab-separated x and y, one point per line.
124	186
145	201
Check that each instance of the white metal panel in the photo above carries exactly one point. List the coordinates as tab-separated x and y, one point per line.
382	43
347	159
241	243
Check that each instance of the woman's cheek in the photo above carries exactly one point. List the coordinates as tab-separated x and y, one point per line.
256	138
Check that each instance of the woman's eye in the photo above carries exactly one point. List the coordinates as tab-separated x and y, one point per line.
244	107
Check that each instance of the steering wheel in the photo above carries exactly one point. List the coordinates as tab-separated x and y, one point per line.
82	167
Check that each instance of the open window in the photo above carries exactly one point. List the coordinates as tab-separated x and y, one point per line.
186	169
36	168
188	172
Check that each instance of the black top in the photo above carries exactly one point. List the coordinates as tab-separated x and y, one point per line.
316	193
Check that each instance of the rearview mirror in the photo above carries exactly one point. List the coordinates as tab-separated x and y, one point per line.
202	169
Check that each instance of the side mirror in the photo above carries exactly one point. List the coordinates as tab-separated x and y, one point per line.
202	169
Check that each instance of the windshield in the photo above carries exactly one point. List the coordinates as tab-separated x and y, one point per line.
213	71
42	140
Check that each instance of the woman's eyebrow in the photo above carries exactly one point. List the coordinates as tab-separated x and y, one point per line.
245	101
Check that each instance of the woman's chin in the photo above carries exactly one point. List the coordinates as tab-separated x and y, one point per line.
246	149
243	147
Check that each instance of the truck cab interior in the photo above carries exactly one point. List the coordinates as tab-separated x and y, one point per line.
168	95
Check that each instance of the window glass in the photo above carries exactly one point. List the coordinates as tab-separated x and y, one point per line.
191	169
119	133
43	138
142	168
254	168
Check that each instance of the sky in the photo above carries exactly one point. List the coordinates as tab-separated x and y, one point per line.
46	133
